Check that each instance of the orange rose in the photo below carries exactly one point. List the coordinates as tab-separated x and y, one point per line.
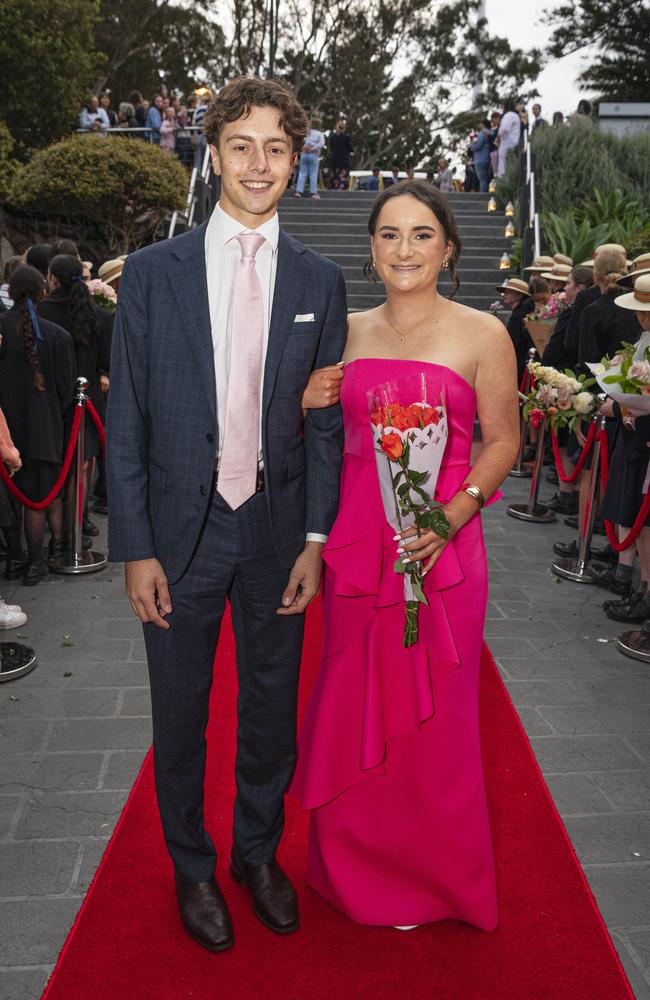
391	445
430	415
376	417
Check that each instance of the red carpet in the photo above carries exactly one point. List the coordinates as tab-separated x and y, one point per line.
551	943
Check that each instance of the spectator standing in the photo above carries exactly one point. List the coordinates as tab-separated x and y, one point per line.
508	135
393	179
538	121
38	256
36	387
126	115
310	159
153	120
495	121
168	129
373	183
9	268
604	327
200	111
340	149
584	108
92	118
140	111
105	103
11	615
445	179
184	145
558	120
520	108
517	299
481	151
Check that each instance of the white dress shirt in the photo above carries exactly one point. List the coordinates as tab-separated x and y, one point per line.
222	253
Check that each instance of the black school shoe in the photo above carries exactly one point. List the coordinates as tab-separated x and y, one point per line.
14	568
34	573
571	550
562	503
606	554
572	522
632	608
605	576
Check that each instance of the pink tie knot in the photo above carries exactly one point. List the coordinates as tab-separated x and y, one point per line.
250	244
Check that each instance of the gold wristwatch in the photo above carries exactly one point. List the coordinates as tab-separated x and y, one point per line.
474	491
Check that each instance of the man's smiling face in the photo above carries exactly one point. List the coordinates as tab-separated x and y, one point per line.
254	159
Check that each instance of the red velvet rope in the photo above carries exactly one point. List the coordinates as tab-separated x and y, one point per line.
644	510
591	437
63	475
97	420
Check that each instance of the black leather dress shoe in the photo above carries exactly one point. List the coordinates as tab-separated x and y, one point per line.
275	902
204	914
604	574
572	522
34	573
563	503
14	568
606	554
631	609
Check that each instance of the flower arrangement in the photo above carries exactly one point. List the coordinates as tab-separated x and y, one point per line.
103	294
562	398
409	440
551	309
626	376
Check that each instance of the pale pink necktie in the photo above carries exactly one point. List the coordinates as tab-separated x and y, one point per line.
237	478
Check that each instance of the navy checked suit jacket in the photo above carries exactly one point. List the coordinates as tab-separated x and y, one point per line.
162	412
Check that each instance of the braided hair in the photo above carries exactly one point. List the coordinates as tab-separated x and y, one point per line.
68	271
26	287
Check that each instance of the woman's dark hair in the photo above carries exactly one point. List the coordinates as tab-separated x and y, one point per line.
11	265
583	276
68	271
437	203
38	256
538	285
26	285
584	107
63	246
135	97
509	104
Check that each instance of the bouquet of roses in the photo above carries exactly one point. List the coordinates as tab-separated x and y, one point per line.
103	294
626	376
409	428
561	398
549	310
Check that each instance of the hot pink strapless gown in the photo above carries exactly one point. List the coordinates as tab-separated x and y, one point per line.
389	759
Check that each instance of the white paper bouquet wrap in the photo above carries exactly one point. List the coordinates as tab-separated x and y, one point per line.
626	377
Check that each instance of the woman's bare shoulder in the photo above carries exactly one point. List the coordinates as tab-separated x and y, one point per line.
481	326
360	325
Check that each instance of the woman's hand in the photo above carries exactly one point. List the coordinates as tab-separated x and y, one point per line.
426	546
12	460
607	409
323	388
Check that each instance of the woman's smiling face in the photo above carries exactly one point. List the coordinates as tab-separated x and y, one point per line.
409	244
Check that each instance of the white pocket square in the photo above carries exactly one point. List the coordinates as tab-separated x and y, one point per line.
304	318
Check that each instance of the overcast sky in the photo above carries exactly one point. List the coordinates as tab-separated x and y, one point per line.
522	23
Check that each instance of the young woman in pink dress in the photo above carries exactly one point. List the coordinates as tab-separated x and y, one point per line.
389	758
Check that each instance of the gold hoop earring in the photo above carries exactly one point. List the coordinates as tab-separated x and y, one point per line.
372	263
445	264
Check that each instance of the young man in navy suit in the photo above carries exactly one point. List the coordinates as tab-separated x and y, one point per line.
220	491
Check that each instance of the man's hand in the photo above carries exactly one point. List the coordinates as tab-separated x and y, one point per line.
147	590
304	581
323	388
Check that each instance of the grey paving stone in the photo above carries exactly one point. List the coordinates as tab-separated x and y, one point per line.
137	701
628	790
612	838
542	692
9	806
533	722
528	666
622	891
117	628
536	629
100	734
53	654
633	970
607	718
92	675
609	691
640	941
69	814
123	767
576	793
52	703
35	929
93	852
61	771
641	744
583	753
20	734
37	868
22	984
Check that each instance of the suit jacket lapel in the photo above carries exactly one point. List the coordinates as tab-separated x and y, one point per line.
292	274
190	288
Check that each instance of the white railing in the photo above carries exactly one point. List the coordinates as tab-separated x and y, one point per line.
187	214
533	214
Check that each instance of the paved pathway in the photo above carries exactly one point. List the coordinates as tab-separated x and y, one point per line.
73	734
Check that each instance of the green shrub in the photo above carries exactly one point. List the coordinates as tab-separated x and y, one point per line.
124	185
576	239
8	166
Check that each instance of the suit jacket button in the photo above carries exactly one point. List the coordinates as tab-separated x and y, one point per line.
203	490
209	438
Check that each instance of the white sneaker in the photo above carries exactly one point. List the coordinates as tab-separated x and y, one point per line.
12	607
11	616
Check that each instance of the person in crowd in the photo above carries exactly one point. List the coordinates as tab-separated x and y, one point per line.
126	115
37	376
539	289
584	108
184	145
539	122
200	112
341	181
481	153
153	121
516	297
395	791
340	146
11	615
495	122
63	246
166	103
168	129
393	179
556	355
105	103
10	266
640	265
310	159
540	264
557	120
38	256
373	183
93	118
557	277
139	108
111	272
192	105
520	108
616	260
71	306
445	178
508	135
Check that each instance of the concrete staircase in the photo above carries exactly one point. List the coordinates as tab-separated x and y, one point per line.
336	226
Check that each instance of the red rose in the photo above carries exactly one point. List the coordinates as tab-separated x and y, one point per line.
391	445
430	415
536	417
376	417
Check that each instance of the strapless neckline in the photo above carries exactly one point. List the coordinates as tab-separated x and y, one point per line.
412	361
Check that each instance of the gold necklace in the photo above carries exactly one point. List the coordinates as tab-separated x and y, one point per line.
399	333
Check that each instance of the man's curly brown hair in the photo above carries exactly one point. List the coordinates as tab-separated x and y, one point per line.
244	92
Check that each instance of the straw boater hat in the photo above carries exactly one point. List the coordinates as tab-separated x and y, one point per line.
111	270
587	263
514	285
640	265
540	264
559	272
561	258
639	299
